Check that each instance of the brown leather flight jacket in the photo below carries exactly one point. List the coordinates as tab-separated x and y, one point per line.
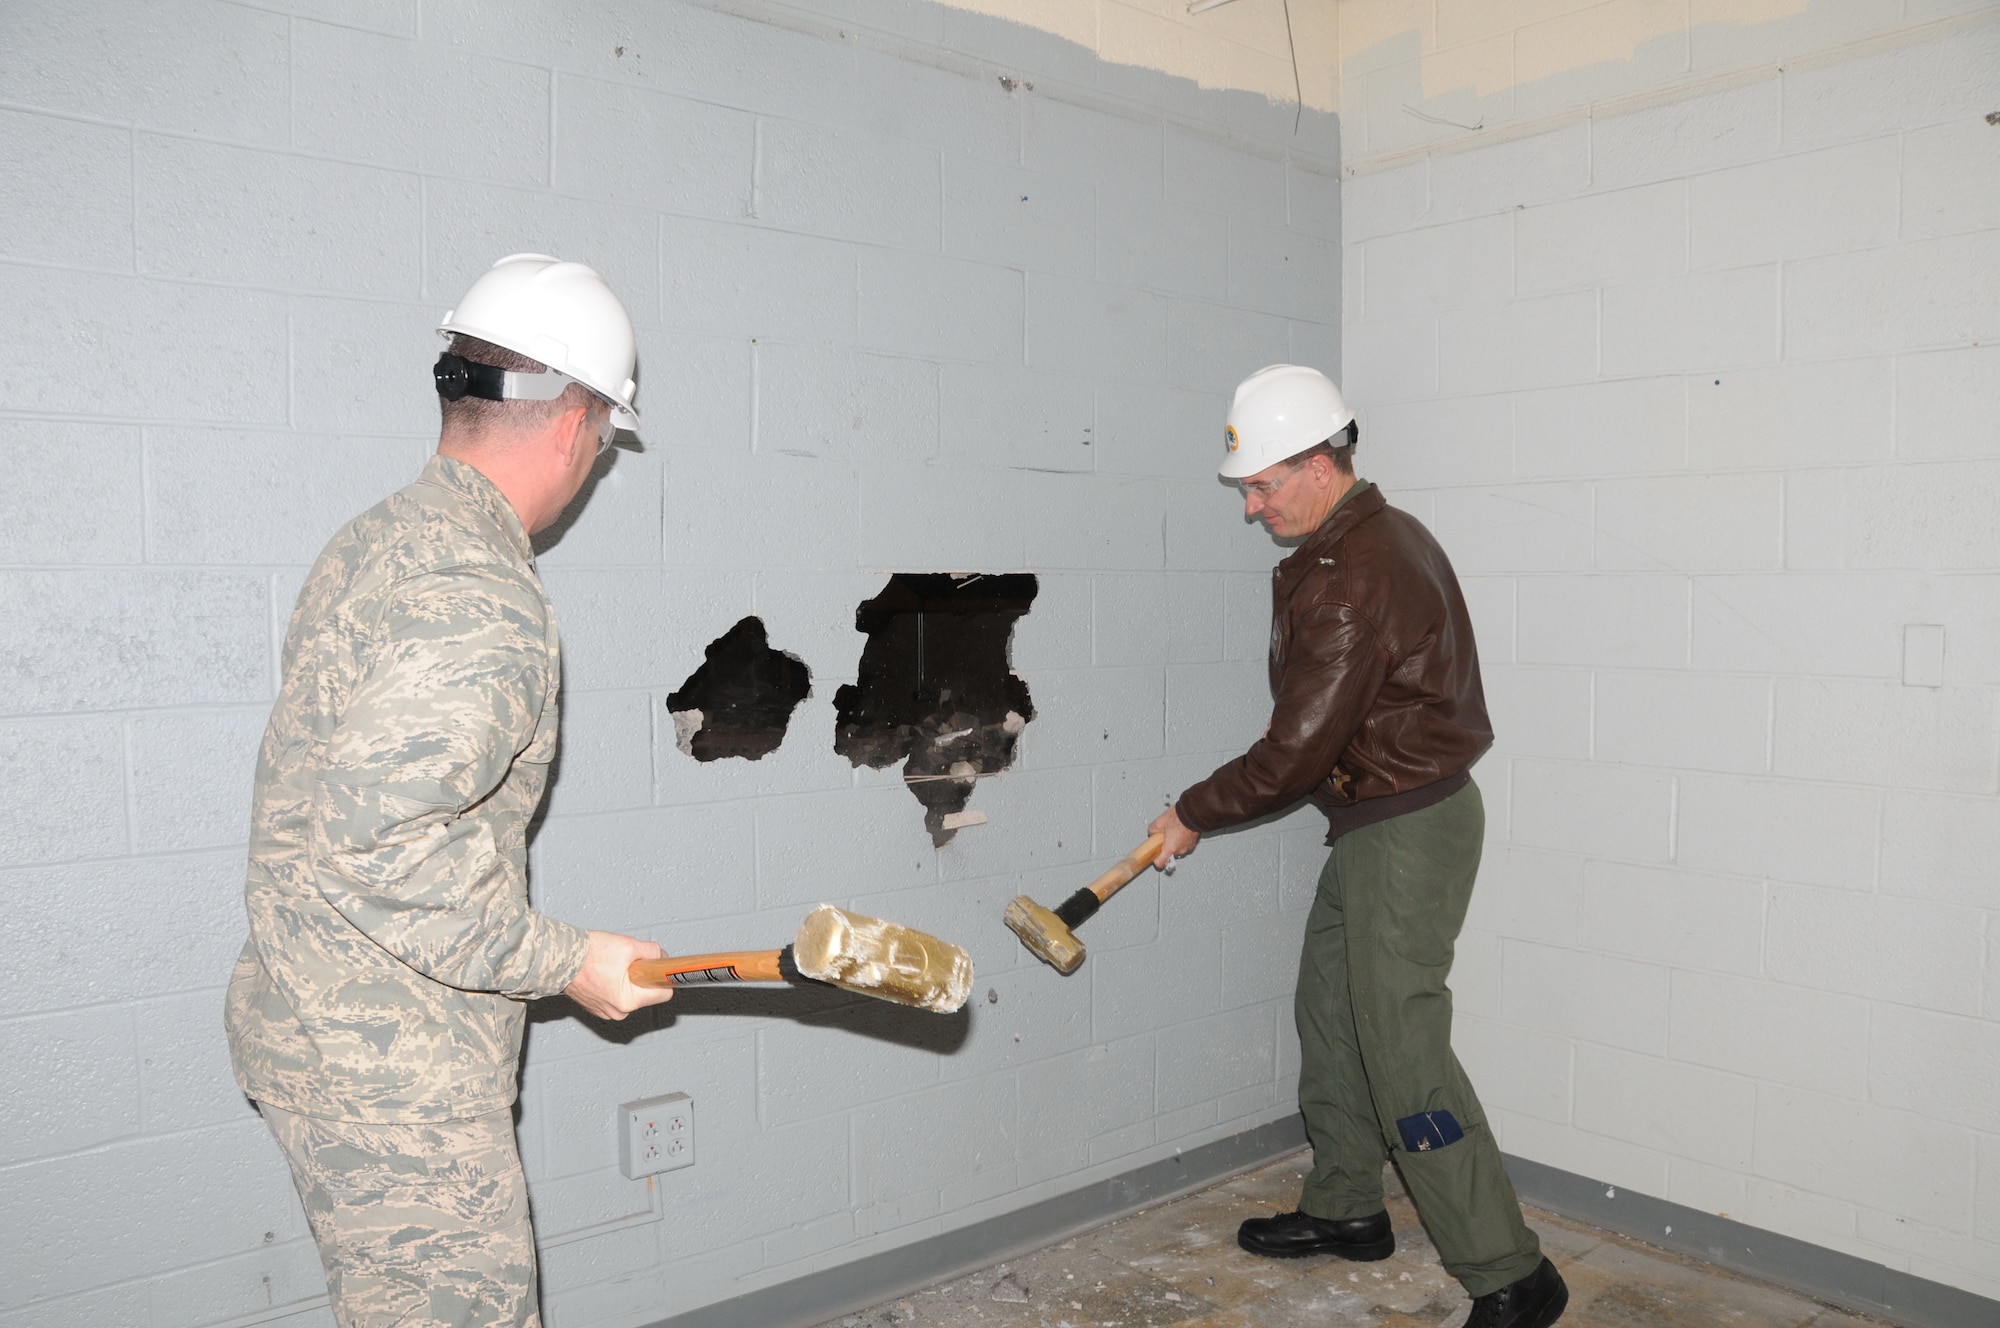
1374	675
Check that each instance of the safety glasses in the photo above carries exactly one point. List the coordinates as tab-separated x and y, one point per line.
1267	489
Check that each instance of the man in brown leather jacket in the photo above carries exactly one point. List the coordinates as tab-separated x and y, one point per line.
1378	717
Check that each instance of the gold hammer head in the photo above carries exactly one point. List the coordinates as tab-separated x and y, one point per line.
1046	934
882	960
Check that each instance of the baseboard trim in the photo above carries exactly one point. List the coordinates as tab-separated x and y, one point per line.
878	1277
1833	1276
1837	1278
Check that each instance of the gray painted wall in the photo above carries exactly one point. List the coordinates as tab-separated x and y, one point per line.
917	290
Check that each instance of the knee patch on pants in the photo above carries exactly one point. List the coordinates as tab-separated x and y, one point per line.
1428	1131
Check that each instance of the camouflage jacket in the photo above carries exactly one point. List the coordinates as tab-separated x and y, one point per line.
391	940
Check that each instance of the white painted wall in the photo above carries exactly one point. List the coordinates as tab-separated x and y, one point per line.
1702	399
894	315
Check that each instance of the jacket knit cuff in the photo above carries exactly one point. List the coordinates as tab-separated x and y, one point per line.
1180	810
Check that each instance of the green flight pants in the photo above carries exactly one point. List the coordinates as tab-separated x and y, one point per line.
1374	1018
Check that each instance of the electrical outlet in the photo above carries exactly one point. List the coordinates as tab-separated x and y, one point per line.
656	1134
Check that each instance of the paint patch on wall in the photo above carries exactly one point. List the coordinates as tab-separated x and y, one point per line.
1419	78
1251	46
934	689
739	702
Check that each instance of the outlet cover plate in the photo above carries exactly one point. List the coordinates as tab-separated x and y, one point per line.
655	1134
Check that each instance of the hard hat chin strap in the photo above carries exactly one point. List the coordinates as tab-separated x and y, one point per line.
459	377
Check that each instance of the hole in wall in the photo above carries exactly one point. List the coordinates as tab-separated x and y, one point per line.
740	700
934	690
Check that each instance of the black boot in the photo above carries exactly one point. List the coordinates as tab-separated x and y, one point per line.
1536	1301
1293	1235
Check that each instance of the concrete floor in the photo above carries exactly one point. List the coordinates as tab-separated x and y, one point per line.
1179	1264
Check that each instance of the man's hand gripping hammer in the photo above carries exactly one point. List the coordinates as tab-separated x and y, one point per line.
1050	934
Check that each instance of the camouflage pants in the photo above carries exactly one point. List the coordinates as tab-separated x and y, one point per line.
419	1226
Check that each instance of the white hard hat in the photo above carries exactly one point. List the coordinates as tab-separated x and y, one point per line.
1279	412
559	314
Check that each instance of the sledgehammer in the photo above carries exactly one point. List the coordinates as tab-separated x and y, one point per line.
1050	935
855	953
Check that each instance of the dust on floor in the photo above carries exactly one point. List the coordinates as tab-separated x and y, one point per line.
1179	1264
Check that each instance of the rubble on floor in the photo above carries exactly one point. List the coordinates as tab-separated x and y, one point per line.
1179	1264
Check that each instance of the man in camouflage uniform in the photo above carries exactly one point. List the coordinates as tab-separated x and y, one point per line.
376	1013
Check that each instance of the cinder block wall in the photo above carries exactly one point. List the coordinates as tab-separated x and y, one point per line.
917	290
1701	399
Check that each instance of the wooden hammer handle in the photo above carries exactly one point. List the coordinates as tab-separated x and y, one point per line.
1134	862
735	966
